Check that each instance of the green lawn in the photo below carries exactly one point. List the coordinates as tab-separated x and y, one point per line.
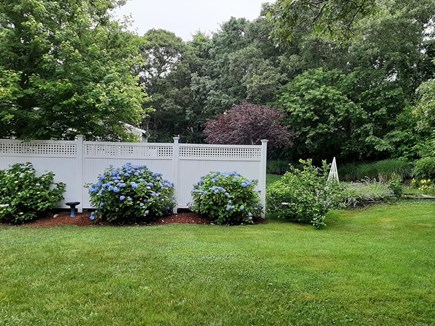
271	178
369	267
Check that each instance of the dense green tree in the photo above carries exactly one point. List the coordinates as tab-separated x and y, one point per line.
382	101
65	69
424	113
9	93
397	40
333	19
327	121
166	77
425	109
238	62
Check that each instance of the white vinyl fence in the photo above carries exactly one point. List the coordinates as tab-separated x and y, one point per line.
79	162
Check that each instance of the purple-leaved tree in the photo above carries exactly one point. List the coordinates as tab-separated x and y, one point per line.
247	124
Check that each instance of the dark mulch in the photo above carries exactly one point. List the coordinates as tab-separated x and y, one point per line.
83	219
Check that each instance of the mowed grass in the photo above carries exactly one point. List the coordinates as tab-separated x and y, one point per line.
271	178
373	266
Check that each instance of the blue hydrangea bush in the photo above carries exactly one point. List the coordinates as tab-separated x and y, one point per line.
226	198
131	193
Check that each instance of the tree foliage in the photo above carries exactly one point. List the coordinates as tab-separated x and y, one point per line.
328	18
354	77
248	124
165	76
65	69
325	118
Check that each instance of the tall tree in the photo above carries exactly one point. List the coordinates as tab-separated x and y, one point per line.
332	19
166	77
328	122
69	69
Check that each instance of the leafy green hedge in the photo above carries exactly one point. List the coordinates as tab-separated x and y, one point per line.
24	196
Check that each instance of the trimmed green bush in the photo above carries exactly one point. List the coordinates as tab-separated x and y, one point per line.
305	195
226	198
131	193
425	169
382	170
24	196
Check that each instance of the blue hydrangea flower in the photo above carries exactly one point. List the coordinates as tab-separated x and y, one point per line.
134	185
121	198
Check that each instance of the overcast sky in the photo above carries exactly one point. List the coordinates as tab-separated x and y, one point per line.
185	17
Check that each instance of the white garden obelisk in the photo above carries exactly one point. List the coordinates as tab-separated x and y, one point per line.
333	172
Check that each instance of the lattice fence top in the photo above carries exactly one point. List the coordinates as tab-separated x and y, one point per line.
220	152
56	149
128	150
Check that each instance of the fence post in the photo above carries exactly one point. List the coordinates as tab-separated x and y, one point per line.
175	164
79	140
262	178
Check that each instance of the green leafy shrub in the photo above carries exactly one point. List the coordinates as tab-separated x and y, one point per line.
305	195
381	170
370	191
131	193
226	198
425	169
395	185
24	196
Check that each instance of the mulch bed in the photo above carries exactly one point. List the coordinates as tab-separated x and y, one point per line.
83	219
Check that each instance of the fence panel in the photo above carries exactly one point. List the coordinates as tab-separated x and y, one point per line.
77	163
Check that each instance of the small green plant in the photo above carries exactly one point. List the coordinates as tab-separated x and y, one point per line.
24	196
425	169
425	185
226	198
395	185
304	195
371	191
131	193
